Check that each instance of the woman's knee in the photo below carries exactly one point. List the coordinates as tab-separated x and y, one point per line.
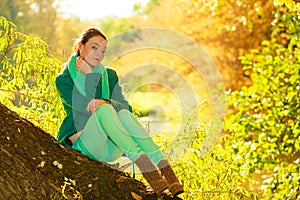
126	116
104	109
124	112
129	120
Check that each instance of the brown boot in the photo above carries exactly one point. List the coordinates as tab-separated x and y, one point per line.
151	174
175	187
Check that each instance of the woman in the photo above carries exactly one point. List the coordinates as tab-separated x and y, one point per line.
99	121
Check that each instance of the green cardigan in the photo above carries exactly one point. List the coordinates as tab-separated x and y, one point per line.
75	103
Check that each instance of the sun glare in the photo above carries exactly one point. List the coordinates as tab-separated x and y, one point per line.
91	9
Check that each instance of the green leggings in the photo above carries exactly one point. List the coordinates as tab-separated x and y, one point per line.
108	134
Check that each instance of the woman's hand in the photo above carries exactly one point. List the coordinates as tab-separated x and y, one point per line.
95	103
83	66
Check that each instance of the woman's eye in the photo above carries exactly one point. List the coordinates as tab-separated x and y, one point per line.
95	48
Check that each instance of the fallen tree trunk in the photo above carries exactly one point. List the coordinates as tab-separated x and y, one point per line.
35	166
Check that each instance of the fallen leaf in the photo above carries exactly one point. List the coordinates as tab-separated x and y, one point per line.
135	196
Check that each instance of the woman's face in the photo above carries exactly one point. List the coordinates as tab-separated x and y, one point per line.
93	50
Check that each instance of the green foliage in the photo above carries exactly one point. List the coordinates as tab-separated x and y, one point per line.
114	26
144	10
32	17
216	175
219	174
267	114
27	71
119	31
290	4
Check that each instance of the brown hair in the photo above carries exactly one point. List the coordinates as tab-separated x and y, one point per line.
85	36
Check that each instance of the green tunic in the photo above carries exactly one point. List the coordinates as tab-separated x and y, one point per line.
75	103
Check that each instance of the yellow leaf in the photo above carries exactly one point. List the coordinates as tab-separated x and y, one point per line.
278	2
135	196
290	4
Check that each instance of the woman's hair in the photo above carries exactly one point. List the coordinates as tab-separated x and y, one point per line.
85	36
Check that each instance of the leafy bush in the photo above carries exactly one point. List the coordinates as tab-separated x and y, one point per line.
28	70
220	174
266	118
215	174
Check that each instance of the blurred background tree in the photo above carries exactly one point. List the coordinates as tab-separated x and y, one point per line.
36	17
225	28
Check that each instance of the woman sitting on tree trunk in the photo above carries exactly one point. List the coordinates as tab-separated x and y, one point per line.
99	121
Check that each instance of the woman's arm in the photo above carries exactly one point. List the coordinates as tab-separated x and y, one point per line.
71	97
117	98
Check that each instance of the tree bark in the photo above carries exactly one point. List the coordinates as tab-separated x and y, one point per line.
35	166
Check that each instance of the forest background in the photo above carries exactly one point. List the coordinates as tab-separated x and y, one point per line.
255	46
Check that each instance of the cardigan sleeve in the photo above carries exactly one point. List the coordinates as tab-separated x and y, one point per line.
70	97
117	98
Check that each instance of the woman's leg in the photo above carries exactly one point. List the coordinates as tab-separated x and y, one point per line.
95	143
104	136
140	136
